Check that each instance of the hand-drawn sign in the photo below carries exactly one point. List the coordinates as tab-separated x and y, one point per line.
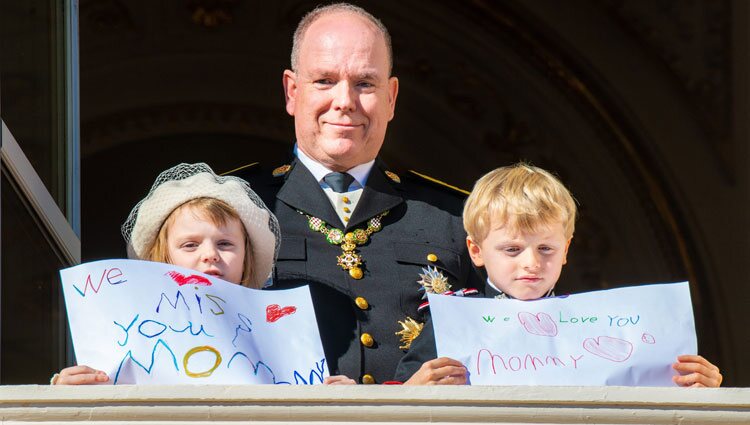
153	323
625	336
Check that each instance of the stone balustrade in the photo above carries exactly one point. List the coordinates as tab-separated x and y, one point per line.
374	404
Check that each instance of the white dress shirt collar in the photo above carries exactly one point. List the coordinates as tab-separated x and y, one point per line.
360	173
492	285
501	295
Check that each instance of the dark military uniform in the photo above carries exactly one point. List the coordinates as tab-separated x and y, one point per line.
358	319
423	348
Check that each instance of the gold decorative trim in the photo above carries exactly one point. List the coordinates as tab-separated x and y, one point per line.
441	183
239	168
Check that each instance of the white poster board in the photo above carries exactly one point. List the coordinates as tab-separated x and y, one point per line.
625	336
152	323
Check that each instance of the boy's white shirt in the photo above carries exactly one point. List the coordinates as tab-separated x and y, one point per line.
492	285
503	295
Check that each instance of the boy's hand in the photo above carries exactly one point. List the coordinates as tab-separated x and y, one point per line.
339	380
441	371
695	371
80	375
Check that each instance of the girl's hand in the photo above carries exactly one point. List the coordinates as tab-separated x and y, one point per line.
695	371
80	375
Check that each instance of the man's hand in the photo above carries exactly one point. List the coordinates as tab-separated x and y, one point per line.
695	371
80	375
441	371
339	380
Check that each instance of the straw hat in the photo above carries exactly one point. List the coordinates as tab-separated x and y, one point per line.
185	182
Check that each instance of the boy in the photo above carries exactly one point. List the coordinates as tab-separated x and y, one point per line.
520	221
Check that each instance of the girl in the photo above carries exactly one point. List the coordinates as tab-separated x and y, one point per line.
196	219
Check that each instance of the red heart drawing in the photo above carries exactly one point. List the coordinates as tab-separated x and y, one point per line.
193	279
274	312
606	347
538	324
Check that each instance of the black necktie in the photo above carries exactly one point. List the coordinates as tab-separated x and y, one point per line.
339	182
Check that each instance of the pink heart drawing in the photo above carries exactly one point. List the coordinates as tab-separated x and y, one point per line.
613	349
538	324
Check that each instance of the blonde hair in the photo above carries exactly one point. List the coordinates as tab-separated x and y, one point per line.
216	211
521	196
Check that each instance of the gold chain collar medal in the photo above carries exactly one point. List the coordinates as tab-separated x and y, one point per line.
349	260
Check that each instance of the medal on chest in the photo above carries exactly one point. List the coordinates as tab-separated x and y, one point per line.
349	260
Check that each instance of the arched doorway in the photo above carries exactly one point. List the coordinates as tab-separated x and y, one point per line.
482	85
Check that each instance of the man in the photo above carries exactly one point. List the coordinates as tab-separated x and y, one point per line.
368	243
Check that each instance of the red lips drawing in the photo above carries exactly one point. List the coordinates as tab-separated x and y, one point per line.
275	312
193	279
538	324
606	347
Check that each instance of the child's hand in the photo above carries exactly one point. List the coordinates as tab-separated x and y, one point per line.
695	371
441	371
339	380
80	375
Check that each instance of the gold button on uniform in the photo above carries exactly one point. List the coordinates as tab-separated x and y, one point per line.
368	379
346	219
367	340
432	258
356	273
346	199
361	303
347	210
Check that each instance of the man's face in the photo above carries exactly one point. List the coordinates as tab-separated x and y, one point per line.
341	95
525	266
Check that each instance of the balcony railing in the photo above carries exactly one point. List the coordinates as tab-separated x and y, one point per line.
371	404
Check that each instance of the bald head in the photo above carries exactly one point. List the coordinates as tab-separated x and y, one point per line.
338	8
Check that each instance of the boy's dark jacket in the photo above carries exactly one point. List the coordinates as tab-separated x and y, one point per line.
423	348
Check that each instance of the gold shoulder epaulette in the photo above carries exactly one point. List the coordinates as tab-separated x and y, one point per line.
252	164
280	171
393	176
439	182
